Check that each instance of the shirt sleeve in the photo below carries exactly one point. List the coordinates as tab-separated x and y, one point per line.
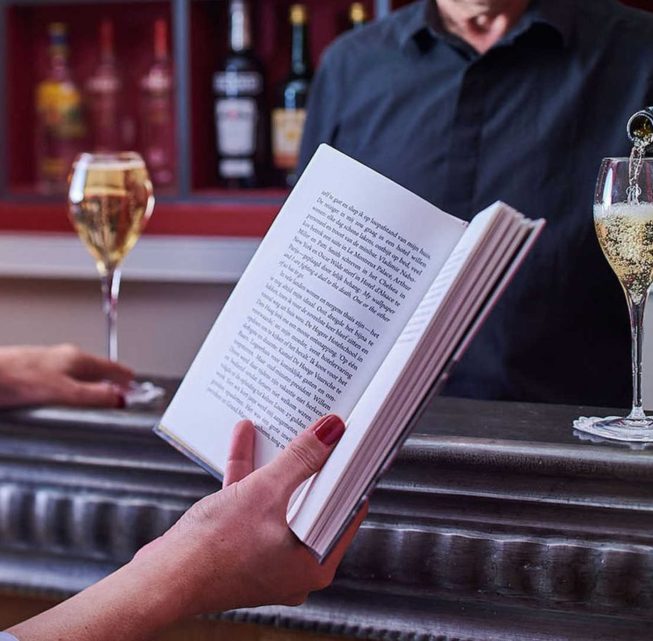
322	117
5	636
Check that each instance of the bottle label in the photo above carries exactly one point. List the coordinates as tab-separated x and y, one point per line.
104	84
236	168
60	109
287	129
238	83
157	82
236	120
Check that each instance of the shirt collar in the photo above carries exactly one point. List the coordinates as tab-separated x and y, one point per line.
424	25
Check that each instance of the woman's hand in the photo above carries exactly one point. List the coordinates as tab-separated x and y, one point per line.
237	546
60	375
231	549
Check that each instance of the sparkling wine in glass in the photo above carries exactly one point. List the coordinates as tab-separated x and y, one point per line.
623	218
110	201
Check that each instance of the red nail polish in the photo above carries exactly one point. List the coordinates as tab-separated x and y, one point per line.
330	429
122	402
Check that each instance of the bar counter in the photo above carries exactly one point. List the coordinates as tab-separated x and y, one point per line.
495	523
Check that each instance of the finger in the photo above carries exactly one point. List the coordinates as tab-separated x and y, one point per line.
306	453
87	367
91	395
240	461
333	560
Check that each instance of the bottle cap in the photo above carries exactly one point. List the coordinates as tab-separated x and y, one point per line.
58	29
357	13
298	14
58	32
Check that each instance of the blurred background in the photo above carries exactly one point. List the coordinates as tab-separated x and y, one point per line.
150	76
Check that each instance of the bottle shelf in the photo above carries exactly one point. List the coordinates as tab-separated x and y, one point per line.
198	34
27	32
208	46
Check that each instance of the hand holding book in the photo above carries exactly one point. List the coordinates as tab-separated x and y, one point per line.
242	532
232	549
357	302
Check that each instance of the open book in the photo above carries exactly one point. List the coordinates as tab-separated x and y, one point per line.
357	301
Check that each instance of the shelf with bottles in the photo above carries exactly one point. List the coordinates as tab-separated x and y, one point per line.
198	35
264	66
91	71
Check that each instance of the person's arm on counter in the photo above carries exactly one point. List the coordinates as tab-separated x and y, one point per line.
60	375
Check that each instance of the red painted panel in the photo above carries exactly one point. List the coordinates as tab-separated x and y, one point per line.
182	219
21	74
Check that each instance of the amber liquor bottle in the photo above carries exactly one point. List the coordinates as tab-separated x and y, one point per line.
60	129
157	131
289	114
103	91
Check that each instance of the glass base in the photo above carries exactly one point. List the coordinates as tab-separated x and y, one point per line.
616	428
143	394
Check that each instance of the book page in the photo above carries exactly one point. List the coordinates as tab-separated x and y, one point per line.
430	360
301	517
330	289
391	400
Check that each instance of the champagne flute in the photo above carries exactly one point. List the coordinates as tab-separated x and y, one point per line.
109	202
623	218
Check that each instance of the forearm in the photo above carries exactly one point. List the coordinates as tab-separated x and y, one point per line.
232	549
131	604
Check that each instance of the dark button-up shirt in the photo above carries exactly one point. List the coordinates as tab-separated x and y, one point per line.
528	122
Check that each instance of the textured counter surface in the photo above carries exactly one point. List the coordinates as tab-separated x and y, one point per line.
494	524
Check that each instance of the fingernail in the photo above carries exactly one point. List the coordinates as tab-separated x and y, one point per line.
330	429
121	403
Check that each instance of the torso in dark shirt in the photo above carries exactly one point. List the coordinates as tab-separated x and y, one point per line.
528	123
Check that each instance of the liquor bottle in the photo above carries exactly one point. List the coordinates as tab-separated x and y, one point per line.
104	89
289	114
239	119
640	127
157	115
60	126
357	15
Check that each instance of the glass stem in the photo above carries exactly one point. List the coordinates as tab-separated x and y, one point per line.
110	290
636	312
